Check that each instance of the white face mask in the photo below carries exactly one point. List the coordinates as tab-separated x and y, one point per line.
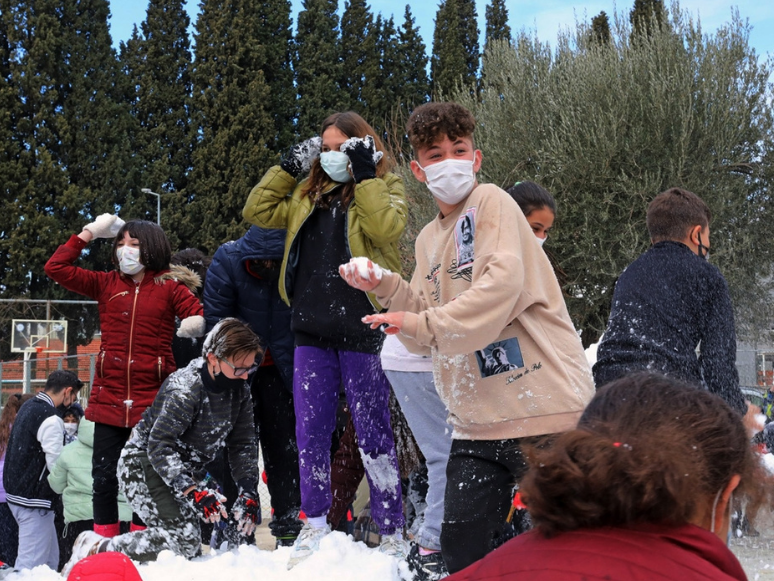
129	260
541	241
335	164
71	429
451	180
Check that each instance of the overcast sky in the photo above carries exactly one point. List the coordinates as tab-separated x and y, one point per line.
545	16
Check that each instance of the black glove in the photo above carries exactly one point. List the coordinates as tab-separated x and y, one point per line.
247	512
208	503
363	157
300	157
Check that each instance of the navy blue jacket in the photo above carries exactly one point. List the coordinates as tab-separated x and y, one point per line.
667	303
231	291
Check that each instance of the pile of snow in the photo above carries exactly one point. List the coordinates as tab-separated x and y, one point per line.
339	559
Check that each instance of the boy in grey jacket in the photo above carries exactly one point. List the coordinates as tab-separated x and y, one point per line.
162	470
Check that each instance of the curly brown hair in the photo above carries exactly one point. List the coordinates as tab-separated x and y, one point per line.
432	121
648	449
352	125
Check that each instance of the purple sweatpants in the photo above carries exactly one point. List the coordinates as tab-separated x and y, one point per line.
317	378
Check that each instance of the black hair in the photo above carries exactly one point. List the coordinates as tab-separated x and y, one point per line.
531	196
155	250
61	379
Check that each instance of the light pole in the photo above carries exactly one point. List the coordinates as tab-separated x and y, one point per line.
158	203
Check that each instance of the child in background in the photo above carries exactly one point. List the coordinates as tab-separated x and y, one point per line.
71	477
72	419
670	301
138	303
538	206
504	297
9	530
35	444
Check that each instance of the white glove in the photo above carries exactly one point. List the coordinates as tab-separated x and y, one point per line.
191	327
105	226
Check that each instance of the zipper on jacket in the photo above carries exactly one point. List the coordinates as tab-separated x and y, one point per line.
159	368
102	364
128	400
118	295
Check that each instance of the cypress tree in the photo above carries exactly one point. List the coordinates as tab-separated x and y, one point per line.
468	23
230	99
388	81
358	47
317	65
414	86
159	67
646	16
68	158
275	33
448	64
497	27
600	29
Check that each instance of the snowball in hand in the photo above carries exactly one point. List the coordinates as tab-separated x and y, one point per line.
360	265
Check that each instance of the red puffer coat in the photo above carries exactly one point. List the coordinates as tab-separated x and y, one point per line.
644	553
137	323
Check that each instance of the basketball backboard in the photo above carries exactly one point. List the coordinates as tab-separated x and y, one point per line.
36	335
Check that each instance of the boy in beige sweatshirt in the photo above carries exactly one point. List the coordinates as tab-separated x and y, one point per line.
485	303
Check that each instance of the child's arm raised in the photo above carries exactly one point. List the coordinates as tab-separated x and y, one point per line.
61	268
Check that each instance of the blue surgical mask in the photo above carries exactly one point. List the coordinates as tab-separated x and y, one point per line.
335	164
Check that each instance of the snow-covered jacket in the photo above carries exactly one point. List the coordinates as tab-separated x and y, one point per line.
492	298
137	321
376	218
186	426
71	477
231	291
33	448
667	303
642	553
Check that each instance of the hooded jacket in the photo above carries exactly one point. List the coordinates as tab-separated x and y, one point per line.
644	553
137	321
376	218
71	477
231	291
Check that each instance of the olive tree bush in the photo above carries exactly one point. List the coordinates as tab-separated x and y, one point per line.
607	127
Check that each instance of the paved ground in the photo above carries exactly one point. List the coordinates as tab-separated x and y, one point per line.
757	553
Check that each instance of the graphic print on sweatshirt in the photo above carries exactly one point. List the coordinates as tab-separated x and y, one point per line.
500	357
464	235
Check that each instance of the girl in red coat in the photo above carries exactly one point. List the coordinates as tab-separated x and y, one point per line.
138	303
641	490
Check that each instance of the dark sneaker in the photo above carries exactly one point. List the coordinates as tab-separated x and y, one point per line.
285	542
426	567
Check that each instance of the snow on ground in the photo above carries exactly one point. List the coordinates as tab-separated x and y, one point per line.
339	559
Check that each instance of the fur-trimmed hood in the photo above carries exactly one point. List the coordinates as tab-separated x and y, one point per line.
182	274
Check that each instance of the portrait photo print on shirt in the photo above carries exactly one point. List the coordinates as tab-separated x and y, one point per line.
500	357
464	235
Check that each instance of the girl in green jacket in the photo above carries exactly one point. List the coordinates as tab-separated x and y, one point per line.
349	205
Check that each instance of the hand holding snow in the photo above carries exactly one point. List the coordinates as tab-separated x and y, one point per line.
368	142
361	273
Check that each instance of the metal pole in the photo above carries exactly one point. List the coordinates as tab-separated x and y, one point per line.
158	203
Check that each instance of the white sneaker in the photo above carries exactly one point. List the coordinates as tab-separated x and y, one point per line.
85	544
394	546
308	542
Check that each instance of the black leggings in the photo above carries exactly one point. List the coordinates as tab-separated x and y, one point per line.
479	490
108	443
